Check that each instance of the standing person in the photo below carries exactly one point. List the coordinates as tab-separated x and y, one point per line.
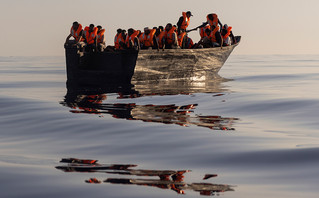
132	41
183	21
75	32
170	37
90	36
213	20
100	39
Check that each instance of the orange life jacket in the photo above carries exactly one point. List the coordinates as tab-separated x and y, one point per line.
214	21
169	36
212	35
90	36
228	33
202	32
147	40
180	38
131	38
159	39
76	33
100	35
117	39
185	22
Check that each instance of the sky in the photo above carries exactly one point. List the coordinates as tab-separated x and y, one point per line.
40	27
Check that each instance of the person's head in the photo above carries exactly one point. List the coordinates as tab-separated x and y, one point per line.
91	27
154	28
99	28
161	28
211	17
147	30
168	27
75	25
123	32
189	14
225	26
119	31
130	31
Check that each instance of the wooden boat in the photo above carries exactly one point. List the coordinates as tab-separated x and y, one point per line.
197	64
108	67
120	67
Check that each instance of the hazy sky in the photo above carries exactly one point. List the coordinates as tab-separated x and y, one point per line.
39	27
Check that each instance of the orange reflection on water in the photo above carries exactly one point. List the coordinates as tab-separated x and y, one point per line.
167	179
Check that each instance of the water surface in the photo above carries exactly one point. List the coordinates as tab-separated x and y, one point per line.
253	130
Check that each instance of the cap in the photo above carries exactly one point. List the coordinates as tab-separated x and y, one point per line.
225	26
146	28
189	12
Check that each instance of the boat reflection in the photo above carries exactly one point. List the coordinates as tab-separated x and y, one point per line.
166	114
90	100
167	179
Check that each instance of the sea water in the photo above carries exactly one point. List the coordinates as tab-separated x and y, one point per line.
254	130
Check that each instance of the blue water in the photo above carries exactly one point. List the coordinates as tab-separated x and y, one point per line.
256	127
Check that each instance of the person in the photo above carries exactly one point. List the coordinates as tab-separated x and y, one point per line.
117	39
170	37
213	39
100	39
213	20
183	21
90	36
132	41
202	31
160	34
189	44
140	38
228	36
181	37
76	32
148	39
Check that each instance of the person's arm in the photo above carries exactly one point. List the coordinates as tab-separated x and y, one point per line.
219	38
137	44
175	38
180	21
67	38
155	42
220	23
233	38
103	39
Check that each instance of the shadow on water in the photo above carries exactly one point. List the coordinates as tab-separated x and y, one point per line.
164	179
93	100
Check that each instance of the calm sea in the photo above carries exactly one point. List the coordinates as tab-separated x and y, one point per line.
252	132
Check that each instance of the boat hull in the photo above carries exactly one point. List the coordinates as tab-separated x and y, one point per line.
181	63
99	68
